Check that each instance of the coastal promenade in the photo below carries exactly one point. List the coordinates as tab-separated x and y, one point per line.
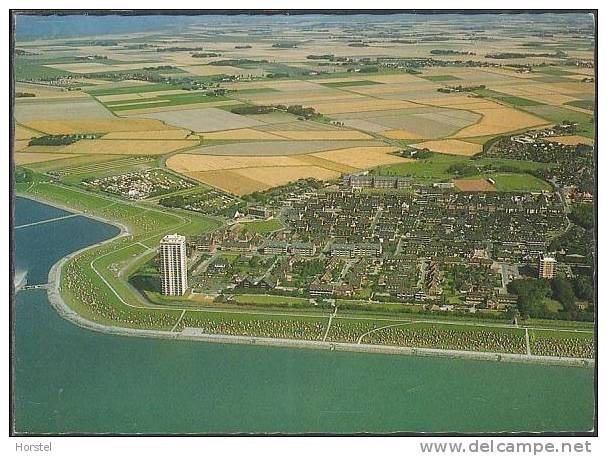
196	334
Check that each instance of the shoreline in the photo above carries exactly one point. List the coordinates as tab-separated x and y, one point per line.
195	334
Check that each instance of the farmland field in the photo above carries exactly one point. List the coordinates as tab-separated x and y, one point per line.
128	146
49	110
25	158
288	147
203	119
450	146
62	127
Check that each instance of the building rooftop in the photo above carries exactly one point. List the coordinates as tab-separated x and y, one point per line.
172	239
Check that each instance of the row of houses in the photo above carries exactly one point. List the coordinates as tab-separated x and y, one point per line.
358	181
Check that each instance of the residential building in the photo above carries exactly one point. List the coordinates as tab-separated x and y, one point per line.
173	265
547	267
258	212
302	248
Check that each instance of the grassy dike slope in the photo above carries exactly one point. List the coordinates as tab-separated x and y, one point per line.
90	282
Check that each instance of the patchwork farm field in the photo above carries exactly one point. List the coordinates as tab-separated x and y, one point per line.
128	146
106	125
362	115
244	174
451	146
274	148
25	158
61	109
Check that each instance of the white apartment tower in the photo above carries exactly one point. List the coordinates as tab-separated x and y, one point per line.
547	267
173	265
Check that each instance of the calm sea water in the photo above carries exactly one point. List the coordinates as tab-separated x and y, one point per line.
67	379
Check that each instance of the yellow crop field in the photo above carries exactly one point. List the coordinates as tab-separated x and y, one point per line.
229	181
24	133
149	134
185	163
25	158
327	164
451	101
323	135
287	174
496	119
127	146
43	92
210	104
241	134
63	127
20	144
362	157
400	134
451	147
574	87
572	140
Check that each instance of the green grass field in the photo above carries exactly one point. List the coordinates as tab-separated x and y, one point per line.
584	104
27	70
272	301
509	182
436	168
505	98
261	226
163	100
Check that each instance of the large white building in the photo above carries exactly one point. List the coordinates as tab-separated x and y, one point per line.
547	267
173	265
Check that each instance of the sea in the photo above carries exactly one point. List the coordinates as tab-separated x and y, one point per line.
67	379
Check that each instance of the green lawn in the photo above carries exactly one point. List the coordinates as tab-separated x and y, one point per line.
261	226
507	182
436	168
270	300
425	170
